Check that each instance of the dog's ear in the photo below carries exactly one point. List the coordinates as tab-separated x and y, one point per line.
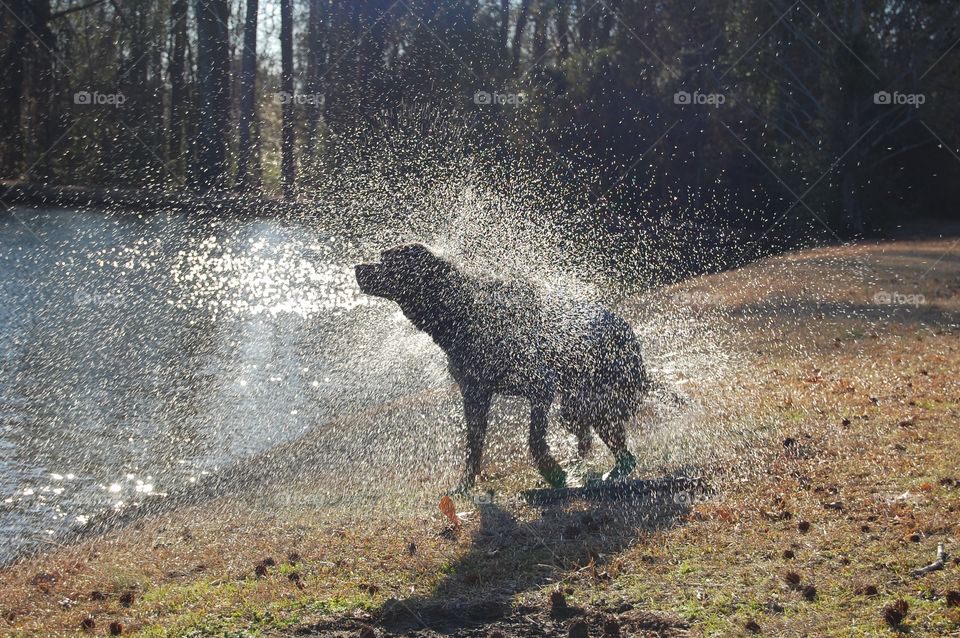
418	259
432	265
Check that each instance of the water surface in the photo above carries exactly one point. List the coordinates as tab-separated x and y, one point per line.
138	354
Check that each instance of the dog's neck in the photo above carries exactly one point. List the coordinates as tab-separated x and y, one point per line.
435	318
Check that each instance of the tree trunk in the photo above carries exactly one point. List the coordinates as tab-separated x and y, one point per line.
522	16
178	91
563	28
540	21
43	68
248	80
287	162
584	23
11	79
854	93
213	71
370	53
316	59
504	24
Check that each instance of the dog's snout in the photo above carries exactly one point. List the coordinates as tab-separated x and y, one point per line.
370	279
365	276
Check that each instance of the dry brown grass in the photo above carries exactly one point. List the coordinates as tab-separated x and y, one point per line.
864	402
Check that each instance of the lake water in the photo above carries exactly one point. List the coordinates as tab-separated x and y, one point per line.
138	354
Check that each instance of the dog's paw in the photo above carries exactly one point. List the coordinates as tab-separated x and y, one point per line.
555	478
592	477
624	467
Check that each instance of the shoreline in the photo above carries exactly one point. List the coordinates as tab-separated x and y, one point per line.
236	205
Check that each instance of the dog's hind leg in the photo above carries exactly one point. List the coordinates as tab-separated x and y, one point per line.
546	464
613	433
476	405
579	428
584	441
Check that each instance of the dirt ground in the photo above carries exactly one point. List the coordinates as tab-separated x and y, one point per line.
846	481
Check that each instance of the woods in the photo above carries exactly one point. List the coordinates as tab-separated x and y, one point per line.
842	114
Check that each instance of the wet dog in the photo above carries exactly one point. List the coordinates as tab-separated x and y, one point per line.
508	338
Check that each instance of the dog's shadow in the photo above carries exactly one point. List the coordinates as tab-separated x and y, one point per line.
513	553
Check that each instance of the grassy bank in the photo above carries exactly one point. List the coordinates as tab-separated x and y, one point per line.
851	391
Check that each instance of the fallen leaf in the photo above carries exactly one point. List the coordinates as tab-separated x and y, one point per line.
450	511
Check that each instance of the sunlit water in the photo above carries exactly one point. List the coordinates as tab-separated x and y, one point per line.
140	354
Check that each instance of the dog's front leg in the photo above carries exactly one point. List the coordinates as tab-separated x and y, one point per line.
476	405
549	468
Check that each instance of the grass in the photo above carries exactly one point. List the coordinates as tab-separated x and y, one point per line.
849	413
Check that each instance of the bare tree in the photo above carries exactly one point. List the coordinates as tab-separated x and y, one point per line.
316	64
42	57
178	89
522	15
563	27
12	60
504	24
541	20
213	75
248	78
287	160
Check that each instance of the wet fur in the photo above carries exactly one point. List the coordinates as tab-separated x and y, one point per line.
507	338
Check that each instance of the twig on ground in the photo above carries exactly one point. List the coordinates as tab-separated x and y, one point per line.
935	565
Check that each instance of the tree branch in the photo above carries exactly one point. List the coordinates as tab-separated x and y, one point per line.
935	565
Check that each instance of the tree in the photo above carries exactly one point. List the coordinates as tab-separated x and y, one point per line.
42	57
287	160
178	88
213	77
248	79
523	14
12	61
316	65
563	28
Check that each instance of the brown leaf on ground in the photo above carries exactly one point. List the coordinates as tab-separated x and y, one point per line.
449	509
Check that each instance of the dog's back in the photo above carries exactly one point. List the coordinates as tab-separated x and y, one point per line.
524	335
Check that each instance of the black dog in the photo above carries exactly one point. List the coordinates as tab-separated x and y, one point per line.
506	338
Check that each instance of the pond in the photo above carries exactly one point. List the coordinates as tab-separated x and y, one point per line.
138	354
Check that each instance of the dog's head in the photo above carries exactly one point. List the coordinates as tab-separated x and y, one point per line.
405	274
